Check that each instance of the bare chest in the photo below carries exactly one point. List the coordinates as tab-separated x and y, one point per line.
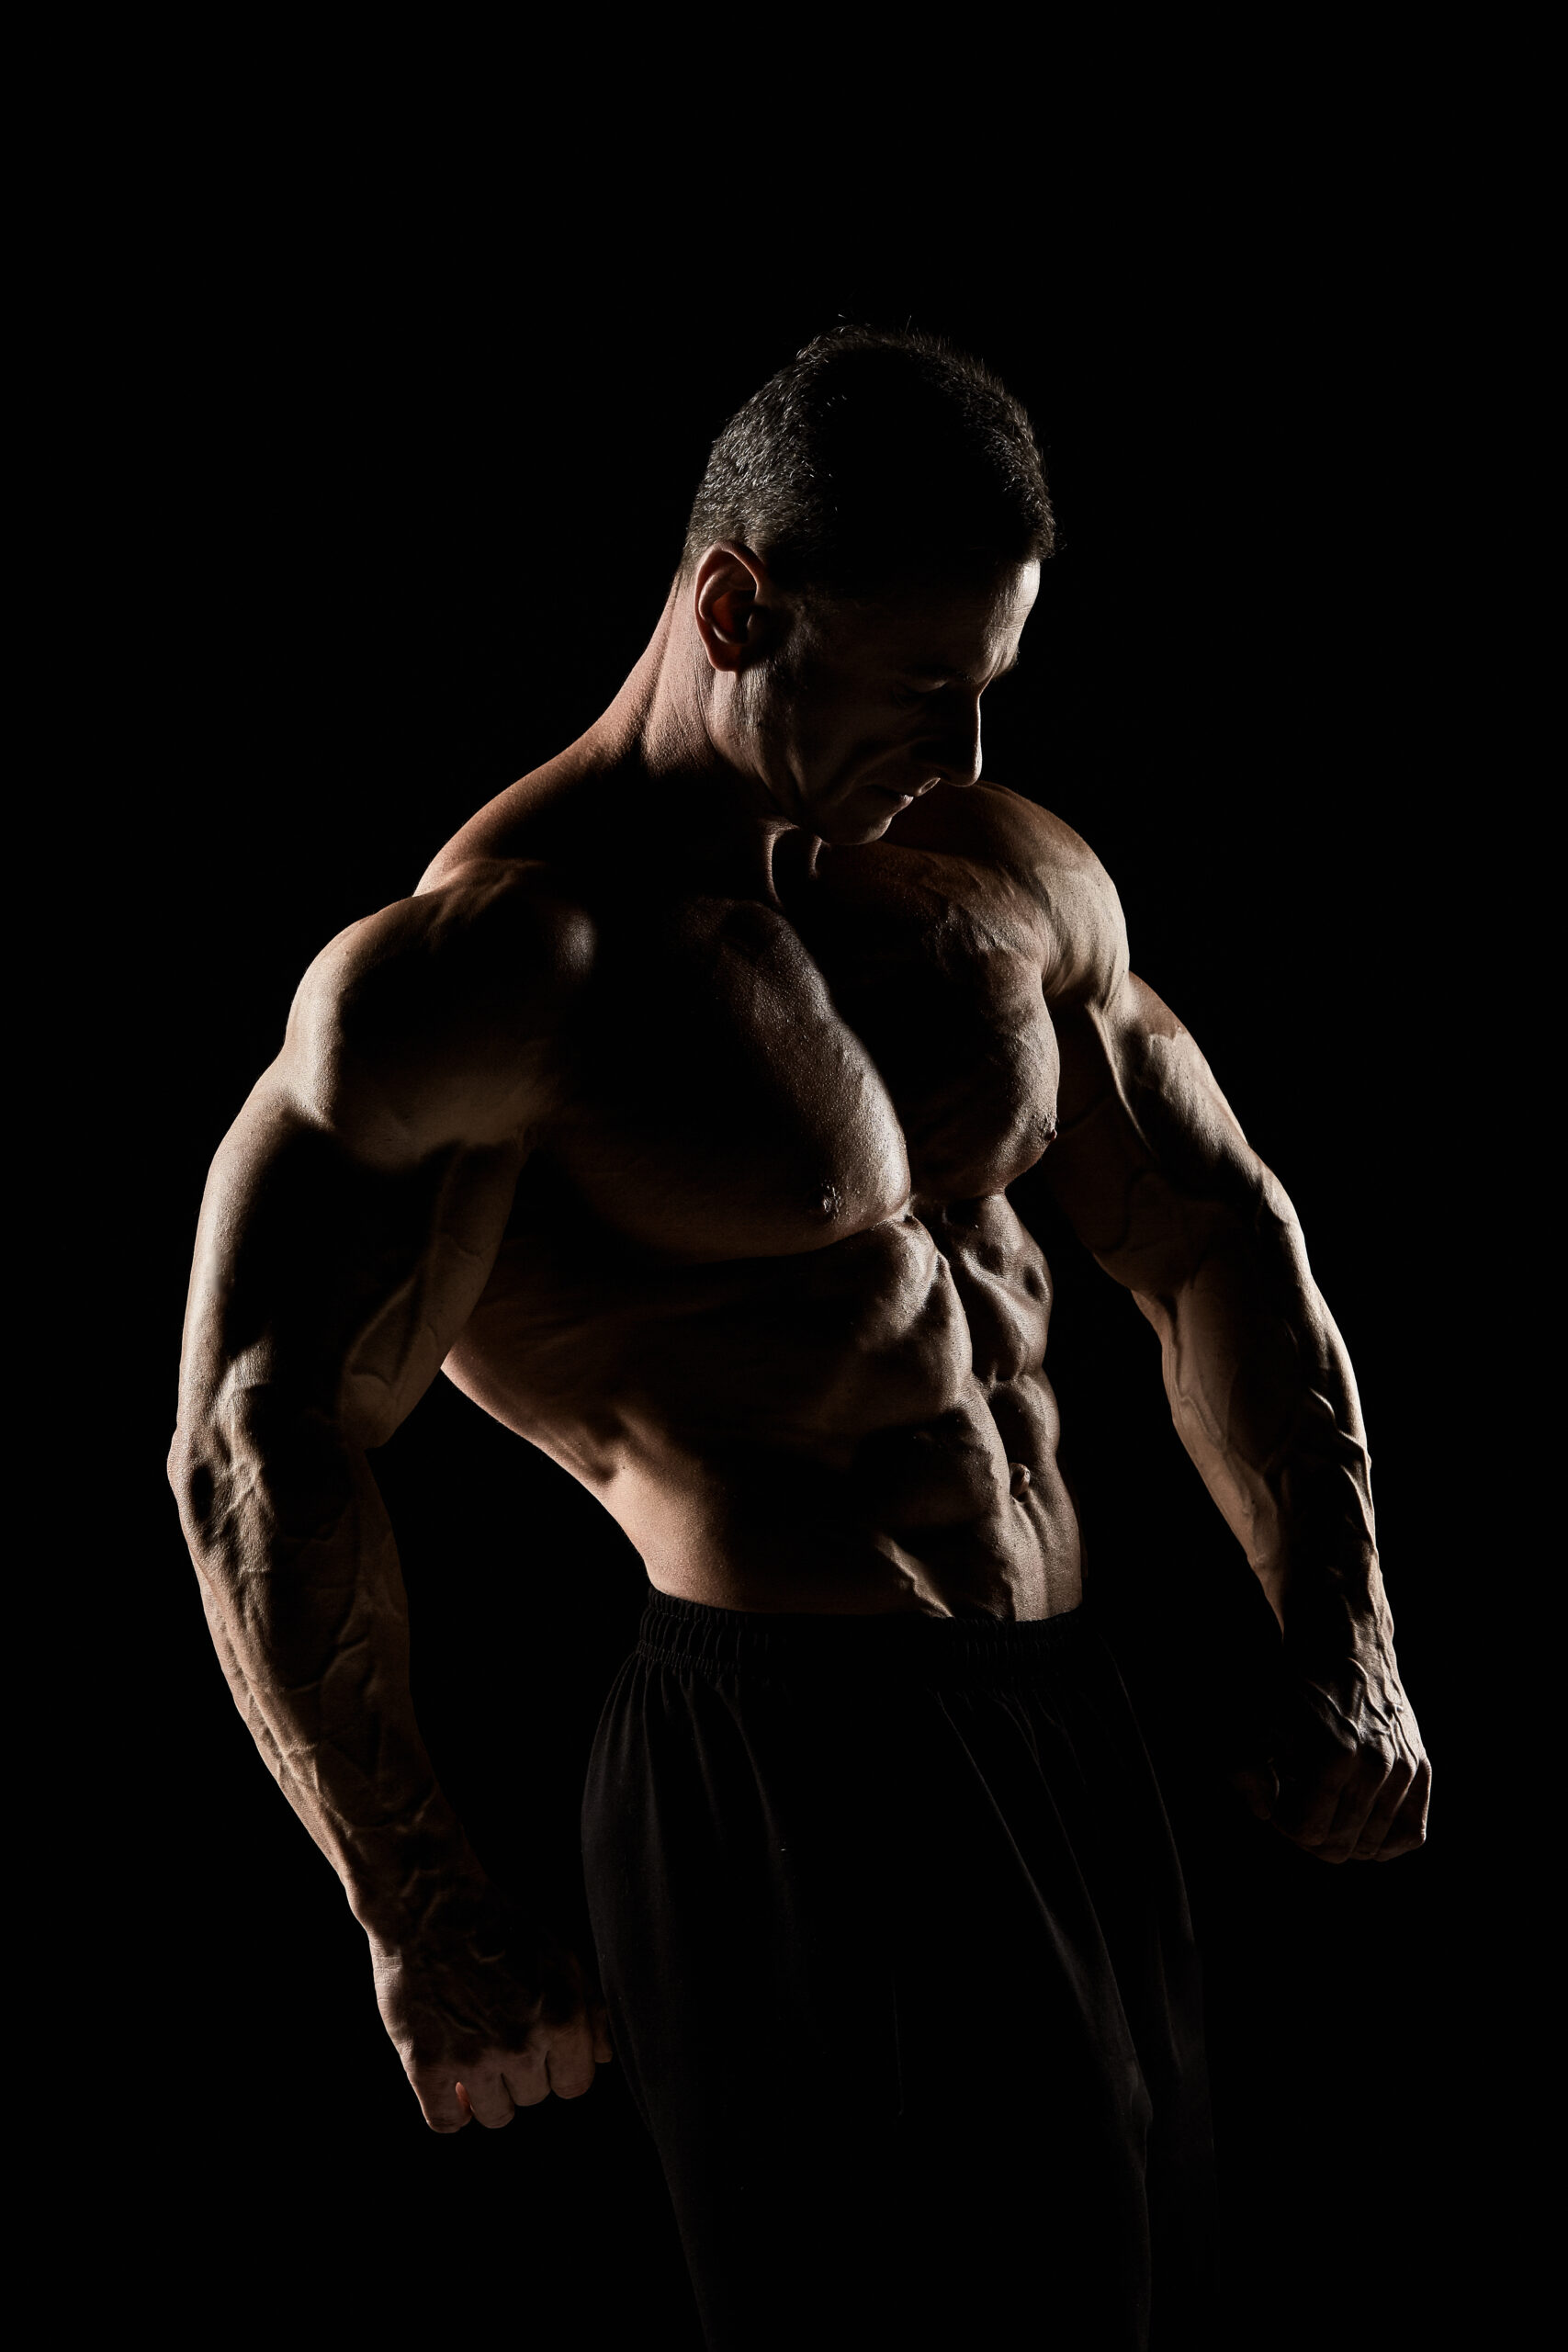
936	965
746	1083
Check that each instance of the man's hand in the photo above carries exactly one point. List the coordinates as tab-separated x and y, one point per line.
488	2019
1347	1777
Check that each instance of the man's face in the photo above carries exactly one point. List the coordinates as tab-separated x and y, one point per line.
868	706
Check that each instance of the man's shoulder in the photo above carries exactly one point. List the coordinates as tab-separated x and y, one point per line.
487	936
433	1013
1057	872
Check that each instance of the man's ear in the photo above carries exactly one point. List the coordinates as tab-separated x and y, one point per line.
737	606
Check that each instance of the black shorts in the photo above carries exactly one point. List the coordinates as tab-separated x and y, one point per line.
899	1968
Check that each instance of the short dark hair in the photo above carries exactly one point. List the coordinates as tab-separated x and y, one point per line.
874	456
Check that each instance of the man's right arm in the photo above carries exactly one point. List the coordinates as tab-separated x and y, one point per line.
351	1220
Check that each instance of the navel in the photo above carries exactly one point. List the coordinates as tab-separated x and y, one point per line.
1019	1479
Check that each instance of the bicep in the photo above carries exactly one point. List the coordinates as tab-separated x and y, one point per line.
328	1287
1151	1165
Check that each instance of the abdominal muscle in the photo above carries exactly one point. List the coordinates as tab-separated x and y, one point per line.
865	1428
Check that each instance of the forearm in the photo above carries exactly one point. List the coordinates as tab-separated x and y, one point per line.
1264	1398
304	1599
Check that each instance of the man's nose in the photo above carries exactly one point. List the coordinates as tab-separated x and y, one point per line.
955	750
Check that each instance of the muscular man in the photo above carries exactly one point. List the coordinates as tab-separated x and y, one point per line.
674	1117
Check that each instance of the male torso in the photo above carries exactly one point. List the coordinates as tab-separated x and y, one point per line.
762	1288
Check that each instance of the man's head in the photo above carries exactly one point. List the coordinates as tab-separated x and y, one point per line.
863	553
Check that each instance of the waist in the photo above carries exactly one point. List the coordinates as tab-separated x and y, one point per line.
900	1647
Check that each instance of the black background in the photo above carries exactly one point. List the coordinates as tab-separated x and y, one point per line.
384	515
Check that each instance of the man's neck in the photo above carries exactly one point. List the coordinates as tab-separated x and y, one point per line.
673	792
661	728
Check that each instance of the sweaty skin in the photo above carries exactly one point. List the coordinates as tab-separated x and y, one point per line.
674	1117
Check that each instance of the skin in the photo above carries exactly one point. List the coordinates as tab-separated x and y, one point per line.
674	1117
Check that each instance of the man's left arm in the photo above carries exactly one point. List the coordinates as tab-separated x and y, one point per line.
1158	1178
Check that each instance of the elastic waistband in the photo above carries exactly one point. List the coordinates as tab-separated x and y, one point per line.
688	1632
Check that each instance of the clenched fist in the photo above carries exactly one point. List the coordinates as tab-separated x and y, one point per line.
1347	1777
488	2015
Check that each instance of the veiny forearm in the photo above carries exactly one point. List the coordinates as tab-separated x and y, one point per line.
1264	1398
304	1597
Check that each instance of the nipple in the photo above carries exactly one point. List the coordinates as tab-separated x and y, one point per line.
1019	1478
829	1202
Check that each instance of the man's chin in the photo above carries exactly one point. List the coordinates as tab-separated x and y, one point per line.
865	814
851	828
